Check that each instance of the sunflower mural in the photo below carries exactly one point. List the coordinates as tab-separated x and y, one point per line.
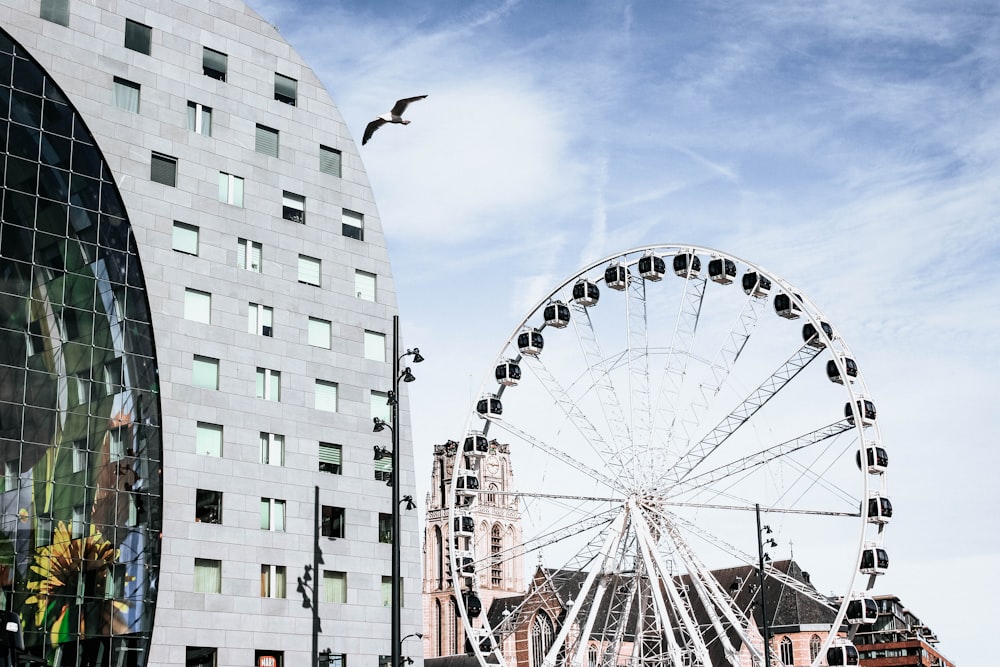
66	573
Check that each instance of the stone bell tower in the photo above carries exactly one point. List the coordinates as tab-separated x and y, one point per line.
496	521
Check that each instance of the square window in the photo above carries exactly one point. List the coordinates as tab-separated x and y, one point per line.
249	255
272	514
332	659
379	406
230	189
333	521
285	89
310	270
267	141
334	586
364	285
207	575
320	332
200	656
126	95
268	384
208	506
56	11
293	207
353	225
138	37
330	457
374	346
272	581
329	161
163	169
200	118
383	469
326	396
205	372
385	528
261	320
185	238
387	592
197	306
214	63
208	439
272	449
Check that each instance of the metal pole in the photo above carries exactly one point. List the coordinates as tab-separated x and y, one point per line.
316	579
763	599
396	482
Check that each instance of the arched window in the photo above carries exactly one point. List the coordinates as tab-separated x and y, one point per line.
496	562
439	630
541	638
787	656
452	633
439	556
491	493
592	656
814	645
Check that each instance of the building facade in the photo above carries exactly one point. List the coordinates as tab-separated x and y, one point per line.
898	638
195	334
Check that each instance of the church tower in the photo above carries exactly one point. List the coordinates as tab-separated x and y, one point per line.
496	521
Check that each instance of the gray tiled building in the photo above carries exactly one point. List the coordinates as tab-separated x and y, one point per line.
196	333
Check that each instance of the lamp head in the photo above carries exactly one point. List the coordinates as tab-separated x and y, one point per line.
417	357
407	375
409	502
382	453
390	398
419	635
379	424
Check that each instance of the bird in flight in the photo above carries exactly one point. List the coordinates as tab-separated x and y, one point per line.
395	115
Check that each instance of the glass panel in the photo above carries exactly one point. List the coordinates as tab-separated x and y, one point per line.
126	95
374	346
319	332
326	396
138	36
380	407
208	439
364	285
197	306
205	373
214	63
207	576
329	161
285	89
267	141
185	238
309	270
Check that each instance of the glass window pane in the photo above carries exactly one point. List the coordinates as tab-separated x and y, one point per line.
326	396
334	586
319	332
329	161
207	575
267	141
138	37
185	238
208	440
126	95
374	346
205	372
197	306
364	285
214	63
309	270
379	406
285	89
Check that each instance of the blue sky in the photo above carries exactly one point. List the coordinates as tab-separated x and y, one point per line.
850	147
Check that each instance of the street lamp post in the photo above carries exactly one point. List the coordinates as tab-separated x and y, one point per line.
760	579
395	479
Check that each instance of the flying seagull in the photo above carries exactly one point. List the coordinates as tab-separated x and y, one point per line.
393	116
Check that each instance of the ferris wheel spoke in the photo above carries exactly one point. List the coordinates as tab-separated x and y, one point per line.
638	361
747	464
599	369
735	419
557	453
721	366
580	421
769	570
676	364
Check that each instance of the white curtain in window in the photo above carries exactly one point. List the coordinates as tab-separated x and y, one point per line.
126	95
207	575
185	238
197	306
334	586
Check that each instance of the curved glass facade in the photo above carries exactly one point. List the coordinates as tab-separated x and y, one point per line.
80	441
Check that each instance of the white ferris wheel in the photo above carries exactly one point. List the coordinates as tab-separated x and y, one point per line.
658	405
